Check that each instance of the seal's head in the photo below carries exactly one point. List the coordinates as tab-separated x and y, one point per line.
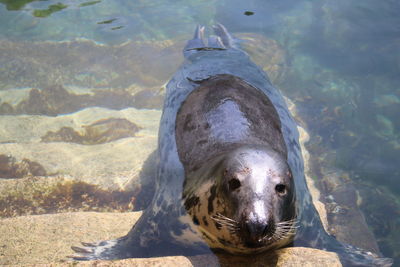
246	203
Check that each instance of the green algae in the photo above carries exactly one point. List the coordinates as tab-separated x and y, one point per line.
248	13
116	28
16	4
89	3
42	13
109	21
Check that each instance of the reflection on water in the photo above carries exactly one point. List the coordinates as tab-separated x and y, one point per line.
337	60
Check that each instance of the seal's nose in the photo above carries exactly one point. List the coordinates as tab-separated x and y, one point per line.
257	230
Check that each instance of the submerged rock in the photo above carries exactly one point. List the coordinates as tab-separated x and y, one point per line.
87	64
267	54
116	154
342	201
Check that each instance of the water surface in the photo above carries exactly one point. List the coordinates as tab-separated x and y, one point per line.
341	69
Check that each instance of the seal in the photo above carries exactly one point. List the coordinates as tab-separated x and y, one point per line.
230	175
229	139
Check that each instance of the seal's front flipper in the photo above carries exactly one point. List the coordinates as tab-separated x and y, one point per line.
108	250
196	43
226	37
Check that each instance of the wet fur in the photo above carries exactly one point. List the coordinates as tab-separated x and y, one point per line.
166	223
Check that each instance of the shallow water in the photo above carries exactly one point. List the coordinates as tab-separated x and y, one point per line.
341	68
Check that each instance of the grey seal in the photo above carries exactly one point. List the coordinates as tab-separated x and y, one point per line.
238	187
230	175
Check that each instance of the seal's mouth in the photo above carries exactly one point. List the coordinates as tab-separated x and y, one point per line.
258	235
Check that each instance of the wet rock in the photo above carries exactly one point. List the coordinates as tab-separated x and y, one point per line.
309	173
382	212
294	256
89	64
334	194
99	132
46	239
342	201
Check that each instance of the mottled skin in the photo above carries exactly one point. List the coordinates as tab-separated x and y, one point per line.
238	186
167	228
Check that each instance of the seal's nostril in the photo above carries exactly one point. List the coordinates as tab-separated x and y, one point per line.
280	189
256	230
234	184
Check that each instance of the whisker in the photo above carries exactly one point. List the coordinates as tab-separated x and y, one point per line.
283	230
230	224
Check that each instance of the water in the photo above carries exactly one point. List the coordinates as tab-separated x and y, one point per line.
341	68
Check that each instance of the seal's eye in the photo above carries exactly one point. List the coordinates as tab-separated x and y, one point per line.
234	184
280	189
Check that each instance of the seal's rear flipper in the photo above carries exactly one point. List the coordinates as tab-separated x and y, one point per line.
196	43
215	42
226	37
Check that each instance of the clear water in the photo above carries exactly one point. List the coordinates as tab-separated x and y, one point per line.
342	71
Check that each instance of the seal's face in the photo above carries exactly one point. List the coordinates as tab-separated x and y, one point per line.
248	203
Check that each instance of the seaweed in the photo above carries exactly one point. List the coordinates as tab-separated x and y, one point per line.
42	13
10	168
68	196
99	132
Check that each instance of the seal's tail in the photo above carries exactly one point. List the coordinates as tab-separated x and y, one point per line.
221	41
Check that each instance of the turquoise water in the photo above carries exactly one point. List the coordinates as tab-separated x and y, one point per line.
342	70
